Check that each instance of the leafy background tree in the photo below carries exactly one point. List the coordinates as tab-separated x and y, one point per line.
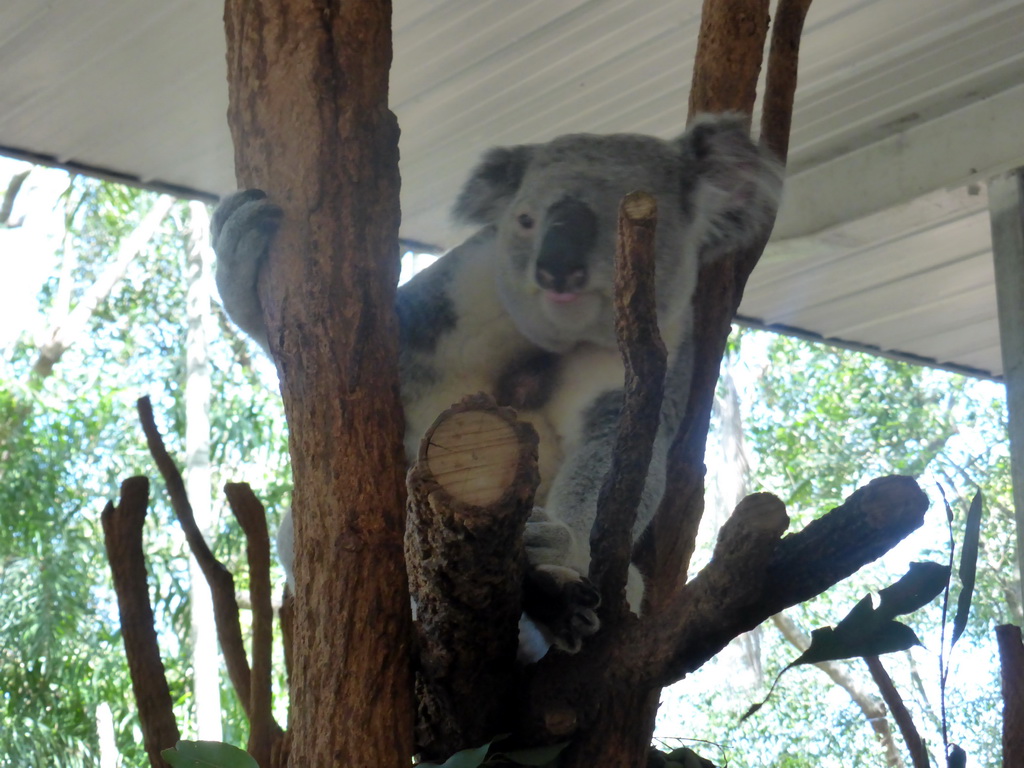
66	441
806	421
812	423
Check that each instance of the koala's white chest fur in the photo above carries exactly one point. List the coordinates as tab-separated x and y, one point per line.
472	357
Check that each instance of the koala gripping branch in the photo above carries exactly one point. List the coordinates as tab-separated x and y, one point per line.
470	493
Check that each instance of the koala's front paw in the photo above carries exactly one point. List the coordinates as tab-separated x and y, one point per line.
243	217
562	601
547	541
241	230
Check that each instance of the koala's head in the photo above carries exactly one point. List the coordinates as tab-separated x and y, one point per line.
555	209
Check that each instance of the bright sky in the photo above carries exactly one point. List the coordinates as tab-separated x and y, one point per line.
27	251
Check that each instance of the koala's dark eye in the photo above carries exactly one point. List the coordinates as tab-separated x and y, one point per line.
525	220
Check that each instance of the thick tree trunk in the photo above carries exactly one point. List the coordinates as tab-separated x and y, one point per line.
308	85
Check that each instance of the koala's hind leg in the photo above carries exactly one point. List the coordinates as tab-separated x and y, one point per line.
556	596
242	229
563	603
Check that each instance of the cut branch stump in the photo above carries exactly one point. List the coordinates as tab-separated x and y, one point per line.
470	493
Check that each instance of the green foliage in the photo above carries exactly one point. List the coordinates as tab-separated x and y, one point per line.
66	442
818	422
968	565
827	419
540	757
207	754
870	631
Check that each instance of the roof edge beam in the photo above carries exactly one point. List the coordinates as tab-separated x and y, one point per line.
970	144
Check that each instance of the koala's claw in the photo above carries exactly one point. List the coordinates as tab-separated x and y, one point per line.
564	602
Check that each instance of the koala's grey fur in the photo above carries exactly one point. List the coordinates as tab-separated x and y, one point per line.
523	309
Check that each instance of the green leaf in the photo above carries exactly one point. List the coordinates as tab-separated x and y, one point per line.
207	754
872	638
467	758
918	587
538	756
870	631
686	758
968	566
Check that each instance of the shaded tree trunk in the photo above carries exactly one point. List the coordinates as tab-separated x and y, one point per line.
1011	662
308	87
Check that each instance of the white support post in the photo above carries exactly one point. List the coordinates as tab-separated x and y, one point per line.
1006	210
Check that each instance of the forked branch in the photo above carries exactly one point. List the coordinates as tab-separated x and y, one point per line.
222	583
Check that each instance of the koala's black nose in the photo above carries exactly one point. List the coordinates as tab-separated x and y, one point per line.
569	235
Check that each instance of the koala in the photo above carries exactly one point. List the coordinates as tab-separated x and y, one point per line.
523	309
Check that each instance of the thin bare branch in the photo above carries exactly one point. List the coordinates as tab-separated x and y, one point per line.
900	713
263	728
1011	660
780	85
643	352
222	584
122	534
696	625
66	330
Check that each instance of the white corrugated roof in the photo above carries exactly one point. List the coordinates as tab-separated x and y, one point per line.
903	110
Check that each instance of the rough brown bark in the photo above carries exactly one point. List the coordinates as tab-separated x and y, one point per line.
780	81
470	493
644	357
308	86
1011	658
729	52
122	534
707	615
581	689
725	73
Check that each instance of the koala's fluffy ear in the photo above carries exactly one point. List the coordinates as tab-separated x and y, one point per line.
492	185
732	185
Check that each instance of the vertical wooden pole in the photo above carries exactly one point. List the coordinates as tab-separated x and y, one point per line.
1006	211
308	85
